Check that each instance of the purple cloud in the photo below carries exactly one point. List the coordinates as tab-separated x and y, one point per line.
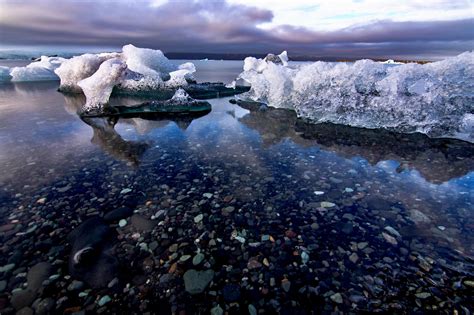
217	26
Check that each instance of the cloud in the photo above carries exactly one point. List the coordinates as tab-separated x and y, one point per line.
220	26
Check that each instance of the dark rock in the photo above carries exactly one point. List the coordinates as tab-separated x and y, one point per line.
91	258
25	311
141	223
22	298
196	281
44	306
37	274
118	214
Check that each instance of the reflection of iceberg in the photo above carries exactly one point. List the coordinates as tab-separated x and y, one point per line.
111	142
436	99
437	160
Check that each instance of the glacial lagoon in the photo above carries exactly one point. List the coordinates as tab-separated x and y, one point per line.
244	210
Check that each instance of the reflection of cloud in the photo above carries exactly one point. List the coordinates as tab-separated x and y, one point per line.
220	26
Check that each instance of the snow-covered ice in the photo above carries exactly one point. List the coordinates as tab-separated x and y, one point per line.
436	98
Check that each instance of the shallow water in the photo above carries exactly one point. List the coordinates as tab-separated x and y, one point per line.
383	219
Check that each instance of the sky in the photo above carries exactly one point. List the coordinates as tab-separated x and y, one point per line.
401	29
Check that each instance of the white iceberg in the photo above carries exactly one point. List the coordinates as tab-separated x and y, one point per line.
98	87
41	70
432	98
141	69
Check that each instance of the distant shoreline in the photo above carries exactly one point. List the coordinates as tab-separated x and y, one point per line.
217	56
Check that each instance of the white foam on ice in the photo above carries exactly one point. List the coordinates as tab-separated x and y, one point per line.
432	98
98	87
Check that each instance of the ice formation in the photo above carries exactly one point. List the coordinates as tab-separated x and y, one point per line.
78	68
435	98
133	69
180	97
41	70
98	87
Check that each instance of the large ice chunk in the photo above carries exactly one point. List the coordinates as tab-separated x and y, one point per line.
432	98
78	68
148	62
98	87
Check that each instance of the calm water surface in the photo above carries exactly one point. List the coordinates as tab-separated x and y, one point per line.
283	215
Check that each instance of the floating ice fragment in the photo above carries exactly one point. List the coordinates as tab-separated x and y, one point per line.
319	193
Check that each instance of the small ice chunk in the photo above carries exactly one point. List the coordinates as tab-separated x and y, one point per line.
180	96
42	70
231	85
179	77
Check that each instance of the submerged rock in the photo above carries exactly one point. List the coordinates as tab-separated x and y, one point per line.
196	281
91	259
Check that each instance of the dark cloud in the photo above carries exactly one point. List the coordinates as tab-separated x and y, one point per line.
217	26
